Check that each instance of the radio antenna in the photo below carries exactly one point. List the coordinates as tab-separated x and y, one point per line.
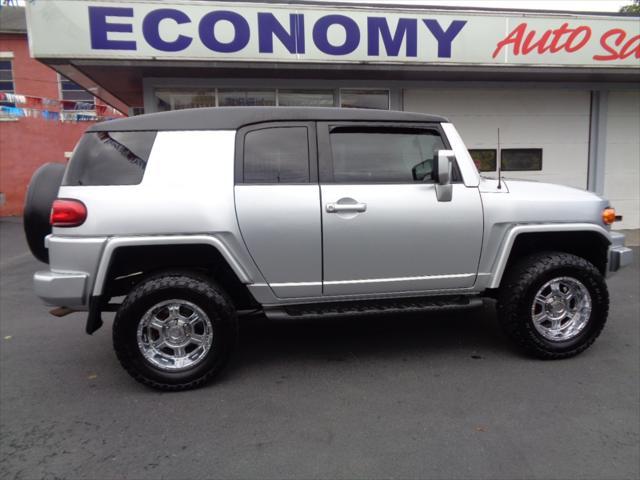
499	159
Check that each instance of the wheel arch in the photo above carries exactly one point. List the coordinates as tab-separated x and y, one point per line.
127	257
588	241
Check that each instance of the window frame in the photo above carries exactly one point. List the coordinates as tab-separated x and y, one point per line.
325	153
242	132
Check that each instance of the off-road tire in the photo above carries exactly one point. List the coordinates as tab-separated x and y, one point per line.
196	289
520	285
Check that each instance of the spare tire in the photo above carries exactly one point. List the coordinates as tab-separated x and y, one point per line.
42	191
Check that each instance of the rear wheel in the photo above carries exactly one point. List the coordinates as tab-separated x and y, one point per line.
553	305
175	331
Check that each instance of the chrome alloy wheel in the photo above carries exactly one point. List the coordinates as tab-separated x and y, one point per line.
174	335
561	309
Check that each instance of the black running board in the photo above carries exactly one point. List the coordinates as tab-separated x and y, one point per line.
373	307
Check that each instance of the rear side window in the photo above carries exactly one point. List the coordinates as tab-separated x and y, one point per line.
109	158
276	155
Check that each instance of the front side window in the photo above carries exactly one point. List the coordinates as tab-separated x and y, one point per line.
276	155
384	155
109	158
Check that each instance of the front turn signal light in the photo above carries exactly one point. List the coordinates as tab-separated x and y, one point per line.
608	216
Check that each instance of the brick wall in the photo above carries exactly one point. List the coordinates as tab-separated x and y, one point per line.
27	143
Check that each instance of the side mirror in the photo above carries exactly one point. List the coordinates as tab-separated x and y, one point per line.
445	167
444	189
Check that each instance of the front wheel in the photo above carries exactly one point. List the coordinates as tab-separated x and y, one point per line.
175	331
553	305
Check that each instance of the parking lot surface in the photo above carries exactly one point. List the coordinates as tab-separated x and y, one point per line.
443	396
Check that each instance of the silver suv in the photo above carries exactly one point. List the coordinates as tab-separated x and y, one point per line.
181	221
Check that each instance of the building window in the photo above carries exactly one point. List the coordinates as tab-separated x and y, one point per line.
176	99
513	159
485	159
246	98
77	97
521	159
180	99
6	80
305	98
364	98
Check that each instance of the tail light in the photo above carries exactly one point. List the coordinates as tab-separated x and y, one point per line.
609	216
67	212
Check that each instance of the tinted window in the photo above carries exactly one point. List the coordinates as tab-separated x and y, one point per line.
485	159
521	159
110	158
276	155
383	154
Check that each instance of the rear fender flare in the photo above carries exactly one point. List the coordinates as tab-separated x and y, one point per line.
112	244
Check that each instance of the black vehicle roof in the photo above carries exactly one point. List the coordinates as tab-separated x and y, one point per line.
232	118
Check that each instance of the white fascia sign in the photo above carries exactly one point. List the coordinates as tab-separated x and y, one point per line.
199	30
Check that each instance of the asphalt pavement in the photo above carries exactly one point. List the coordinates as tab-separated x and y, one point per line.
443	396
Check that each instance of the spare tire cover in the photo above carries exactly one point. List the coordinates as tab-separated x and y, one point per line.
42	191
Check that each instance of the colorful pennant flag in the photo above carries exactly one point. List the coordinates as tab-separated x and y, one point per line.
67	110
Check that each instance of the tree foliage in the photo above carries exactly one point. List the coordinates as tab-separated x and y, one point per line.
633	8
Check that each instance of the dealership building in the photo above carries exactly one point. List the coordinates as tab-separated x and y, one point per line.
553	96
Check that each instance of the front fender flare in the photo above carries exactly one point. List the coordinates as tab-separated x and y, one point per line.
502	257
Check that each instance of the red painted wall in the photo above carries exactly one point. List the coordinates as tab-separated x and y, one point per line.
27	143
